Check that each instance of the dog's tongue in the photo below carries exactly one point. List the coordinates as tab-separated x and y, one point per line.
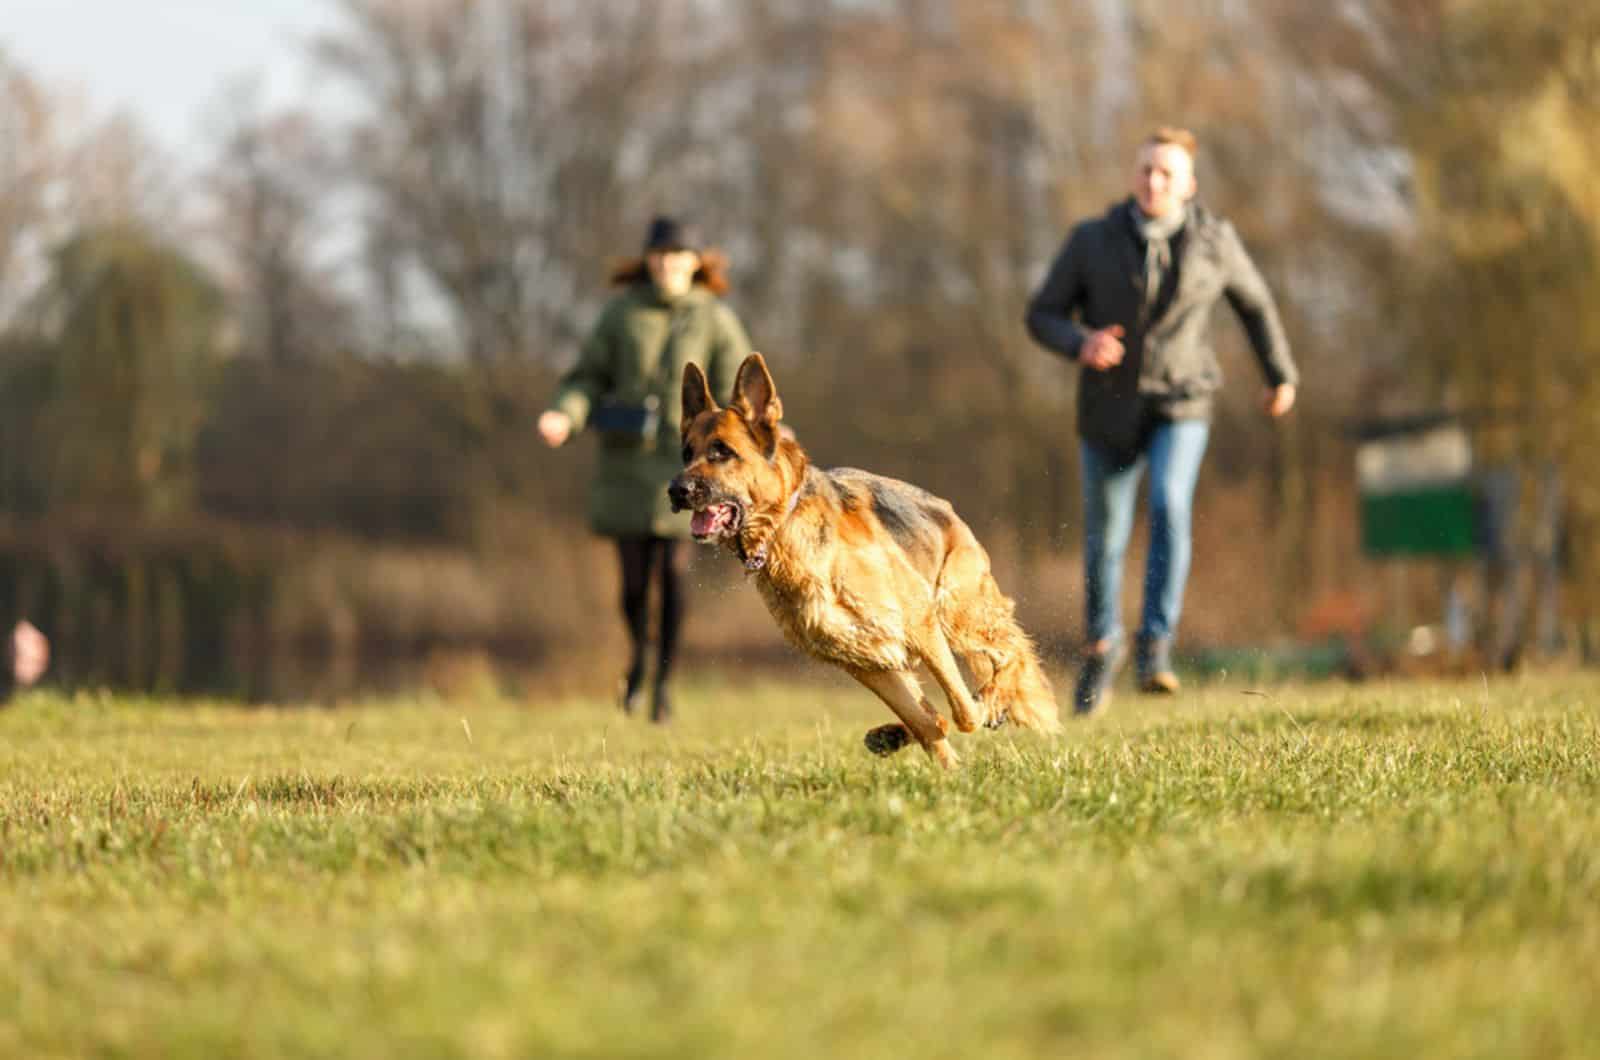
708	521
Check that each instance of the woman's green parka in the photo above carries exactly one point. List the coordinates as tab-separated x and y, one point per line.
637	352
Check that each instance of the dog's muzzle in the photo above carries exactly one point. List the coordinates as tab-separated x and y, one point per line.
686	493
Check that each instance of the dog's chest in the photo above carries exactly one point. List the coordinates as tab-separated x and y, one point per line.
826	621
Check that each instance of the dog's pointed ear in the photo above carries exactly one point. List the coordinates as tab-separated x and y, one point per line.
755	397
696	394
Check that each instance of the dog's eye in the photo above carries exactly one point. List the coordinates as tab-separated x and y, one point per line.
688	455
720	451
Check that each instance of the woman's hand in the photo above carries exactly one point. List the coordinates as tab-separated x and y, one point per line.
1278	399
30	653
554	427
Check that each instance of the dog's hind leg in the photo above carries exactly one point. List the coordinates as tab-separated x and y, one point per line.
979	623
901	693
967	712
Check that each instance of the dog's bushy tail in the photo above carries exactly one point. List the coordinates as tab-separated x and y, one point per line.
986	632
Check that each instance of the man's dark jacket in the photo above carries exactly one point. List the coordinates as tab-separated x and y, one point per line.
1169	370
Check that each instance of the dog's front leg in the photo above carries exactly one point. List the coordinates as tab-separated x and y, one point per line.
969	714
903	695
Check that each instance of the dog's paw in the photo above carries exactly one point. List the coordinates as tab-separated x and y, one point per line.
885	740
997	718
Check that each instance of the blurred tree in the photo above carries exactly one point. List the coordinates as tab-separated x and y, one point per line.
494	142
378	448
61	171
1500	103
27	166
130	329
274	187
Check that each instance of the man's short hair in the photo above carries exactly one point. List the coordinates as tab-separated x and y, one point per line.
1176	136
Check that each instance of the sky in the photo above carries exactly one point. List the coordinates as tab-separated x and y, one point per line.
166	62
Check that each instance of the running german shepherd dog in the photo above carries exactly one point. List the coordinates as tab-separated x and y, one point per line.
871	574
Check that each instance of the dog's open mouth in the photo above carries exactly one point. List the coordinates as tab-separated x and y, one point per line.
716	521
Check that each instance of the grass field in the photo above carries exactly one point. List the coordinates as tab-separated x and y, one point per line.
1375	870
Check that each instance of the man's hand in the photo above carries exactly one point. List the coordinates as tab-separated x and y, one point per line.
30	653
1102	350
1278	399
554	427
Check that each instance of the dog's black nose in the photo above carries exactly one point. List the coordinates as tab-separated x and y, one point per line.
678	492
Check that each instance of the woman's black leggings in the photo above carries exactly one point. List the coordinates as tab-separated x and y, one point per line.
643	557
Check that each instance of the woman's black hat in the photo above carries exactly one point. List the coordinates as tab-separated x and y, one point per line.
669	233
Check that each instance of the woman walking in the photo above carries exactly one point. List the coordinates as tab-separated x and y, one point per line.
625	388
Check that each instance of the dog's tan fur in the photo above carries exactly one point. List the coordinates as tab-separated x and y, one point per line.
866	572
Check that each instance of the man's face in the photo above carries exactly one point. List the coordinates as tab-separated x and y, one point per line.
1163	179
672	270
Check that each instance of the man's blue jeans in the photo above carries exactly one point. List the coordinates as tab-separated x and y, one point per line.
1110	494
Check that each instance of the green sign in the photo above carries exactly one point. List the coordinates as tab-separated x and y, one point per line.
1438	520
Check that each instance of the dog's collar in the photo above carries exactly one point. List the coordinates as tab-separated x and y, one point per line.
758	559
